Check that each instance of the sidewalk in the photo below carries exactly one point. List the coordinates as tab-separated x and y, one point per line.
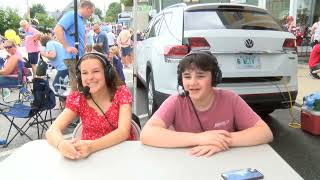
306	84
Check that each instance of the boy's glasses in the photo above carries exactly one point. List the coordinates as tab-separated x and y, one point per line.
7	47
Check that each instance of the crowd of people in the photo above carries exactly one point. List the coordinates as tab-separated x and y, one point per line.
314	58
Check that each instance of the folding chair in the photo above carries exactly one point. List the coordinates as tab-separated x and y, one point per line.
21	86
43	102
134	126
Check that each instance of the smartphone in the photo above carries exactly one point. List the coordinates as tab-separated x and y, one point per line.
242	174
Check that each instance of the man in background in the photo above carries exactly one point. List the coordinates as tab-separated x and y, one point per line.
65	32
102	39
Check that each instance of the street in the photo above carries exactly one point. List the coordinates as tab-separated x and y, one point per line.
295	146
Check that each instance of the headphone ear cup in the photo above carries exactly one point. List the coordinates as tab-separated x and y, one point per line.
179	77
109	75
217	77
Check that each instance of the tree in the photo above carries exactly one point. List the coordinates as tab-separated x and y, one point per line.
37	8
112	13
45	22
98	12
127	3
9	19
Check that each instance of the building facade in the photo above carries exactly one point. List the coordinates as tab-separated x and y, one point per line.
304	12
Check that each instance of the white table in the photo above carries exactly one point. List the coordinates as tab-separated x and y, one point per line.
134	161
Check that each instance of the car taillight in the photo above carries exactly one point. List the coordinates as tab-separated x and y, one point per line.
174	52
289	45
198	43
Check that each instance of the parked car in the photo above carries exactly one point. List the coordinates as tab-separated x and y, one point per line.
257	57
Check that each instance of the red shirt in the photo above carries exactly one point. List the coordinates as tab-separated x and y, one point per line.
314	56
94	124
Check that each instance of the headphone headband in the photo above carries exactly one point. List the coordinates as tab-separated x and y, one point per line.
109	74
98	55
215	72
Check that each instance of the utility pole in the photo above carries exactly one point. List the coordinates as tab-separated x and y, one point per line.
135	7
28	12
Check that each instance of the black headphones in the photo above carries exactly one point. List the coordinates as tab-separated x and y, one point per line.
109	74
216	72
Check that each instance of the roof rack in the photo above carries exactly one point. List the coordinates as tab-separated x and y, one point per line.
177	5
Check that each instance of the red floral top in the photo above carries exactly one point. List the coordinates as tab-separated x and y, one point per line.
94	124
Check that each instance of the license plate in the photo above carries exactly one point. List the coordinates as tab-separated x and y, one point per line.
245	61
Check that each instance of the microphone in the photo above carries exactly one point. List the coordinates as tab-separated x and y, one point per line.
85	90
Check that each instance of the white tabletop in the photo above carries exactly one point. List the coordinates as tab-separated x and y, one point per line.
133	161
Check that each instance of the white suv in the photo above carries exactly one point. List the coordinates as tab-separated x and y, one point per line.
257	57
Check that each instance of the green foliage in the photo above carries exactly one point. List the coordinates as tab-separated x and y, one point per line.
45	22
112	13
98	12
127	3
9	19
37	9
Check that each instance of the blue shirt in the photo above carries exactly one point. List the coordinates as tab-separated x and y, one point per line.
102	38
67	22
57	62
90	35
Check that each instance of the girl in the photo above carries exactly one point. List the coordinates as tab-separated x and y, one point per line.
103	105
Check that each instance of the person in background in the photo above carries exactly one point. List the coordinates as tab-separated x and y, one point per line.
89	41
114	58
314	61
291	26
314	28
10	70
32	36
111	38
205	118
55	53
102	39
65	32
124	43
104	107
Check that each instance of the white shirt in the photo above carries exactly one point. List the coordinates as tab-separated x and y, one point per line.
111	37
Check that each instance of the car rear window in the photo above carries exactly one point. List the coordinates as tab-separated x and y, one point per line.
229	19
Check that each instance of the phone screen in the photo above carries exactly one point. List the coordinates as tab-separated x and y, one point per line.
242	174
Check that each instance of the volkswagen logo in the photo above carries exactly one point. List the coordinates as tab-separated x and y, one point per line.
249	43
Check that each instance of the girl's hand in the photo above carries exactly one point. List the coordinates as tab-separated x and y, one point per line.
68	150
83	147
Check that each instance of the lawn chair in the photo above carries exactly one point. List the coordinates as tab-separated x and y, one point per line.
43	102
21	86
134	126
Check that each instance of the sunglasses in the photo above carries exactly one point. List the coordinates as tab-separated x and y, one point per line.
7	47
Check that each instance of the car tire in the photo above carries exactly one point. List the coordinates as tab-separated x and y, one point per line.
139	83
152	106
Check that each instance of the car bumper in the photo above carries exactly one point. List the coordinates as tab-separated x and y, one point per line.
258	102
261	102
